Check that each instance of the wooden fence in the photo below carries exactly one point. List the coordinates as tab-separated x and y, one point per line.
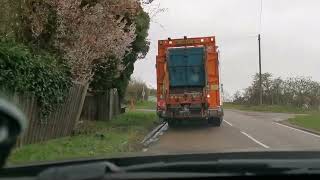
101	106
60	122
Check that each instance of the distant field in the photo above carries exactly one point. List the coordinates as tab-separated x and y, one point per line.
121	134
265	108
310	121
146	105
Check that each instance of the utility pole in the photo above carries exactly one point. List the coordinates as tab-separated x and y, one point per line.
260	75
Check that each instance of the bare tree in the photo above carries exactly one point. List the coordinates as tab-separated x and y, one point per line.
295	91
135	88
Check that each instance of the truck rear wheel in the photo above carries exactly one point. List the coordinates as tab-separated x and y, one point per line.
215	121
219	121
172	122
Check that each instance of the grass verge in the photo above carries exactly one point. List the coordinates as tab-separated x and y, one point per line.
146	105
310	121
265	108
122	134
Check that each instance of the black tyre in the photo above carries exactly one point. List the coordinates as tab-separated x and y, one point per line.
211	121
215	122
219	121
172	122
161	120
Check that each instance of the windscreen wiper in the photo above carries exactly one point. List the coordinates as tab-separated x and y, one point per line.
83	171
100	169
243	167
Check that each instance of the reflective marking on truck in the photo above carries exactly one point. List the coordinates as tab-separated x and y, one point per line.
214	87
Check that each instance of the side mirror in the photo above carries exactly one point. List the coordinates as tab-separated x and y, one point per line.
12	124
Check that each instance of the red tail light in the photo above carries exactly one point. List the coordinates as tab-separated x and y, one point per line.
161	104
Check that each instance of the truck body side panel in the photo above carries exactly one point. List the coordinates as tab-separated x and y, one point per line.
213	77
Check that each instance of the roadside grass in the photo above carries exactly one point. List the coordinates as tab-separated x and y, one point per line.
309	121
266	108
146	105
121	134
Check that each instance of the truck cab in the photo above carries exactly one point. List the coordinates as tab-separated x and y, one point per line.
188	80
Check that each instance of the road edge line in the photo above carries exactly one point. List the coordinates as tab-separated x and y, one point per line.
255	140
152	133
296	129
227	122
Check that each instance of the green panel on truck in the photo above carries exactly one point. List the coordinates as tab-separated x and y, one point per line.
186	66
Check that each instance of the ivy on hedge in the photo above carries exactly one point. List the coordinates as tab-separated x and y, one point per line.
42	75
104	74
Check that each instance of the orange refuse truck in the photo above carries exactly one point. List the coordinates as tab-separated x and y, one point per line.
188	80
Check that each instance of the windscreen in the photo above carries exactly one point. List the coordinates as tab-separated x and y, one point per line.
186	67
109	78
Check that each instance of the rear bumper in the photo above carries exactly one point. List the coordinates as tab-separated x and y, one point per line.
210	113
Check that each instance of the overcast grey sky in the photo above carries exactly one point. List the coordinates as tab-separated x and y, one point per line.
290	35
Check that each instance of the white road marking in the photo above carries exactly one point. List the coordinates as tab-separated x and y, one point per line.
298	130
277	119
256	141
227	122
144	149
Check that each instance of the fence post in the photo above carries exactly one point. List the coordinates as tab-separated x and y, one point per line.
117	103
83	97
102	100
110	104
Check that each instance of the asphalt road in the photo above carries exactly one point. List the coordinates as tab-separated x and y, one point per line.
240	131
